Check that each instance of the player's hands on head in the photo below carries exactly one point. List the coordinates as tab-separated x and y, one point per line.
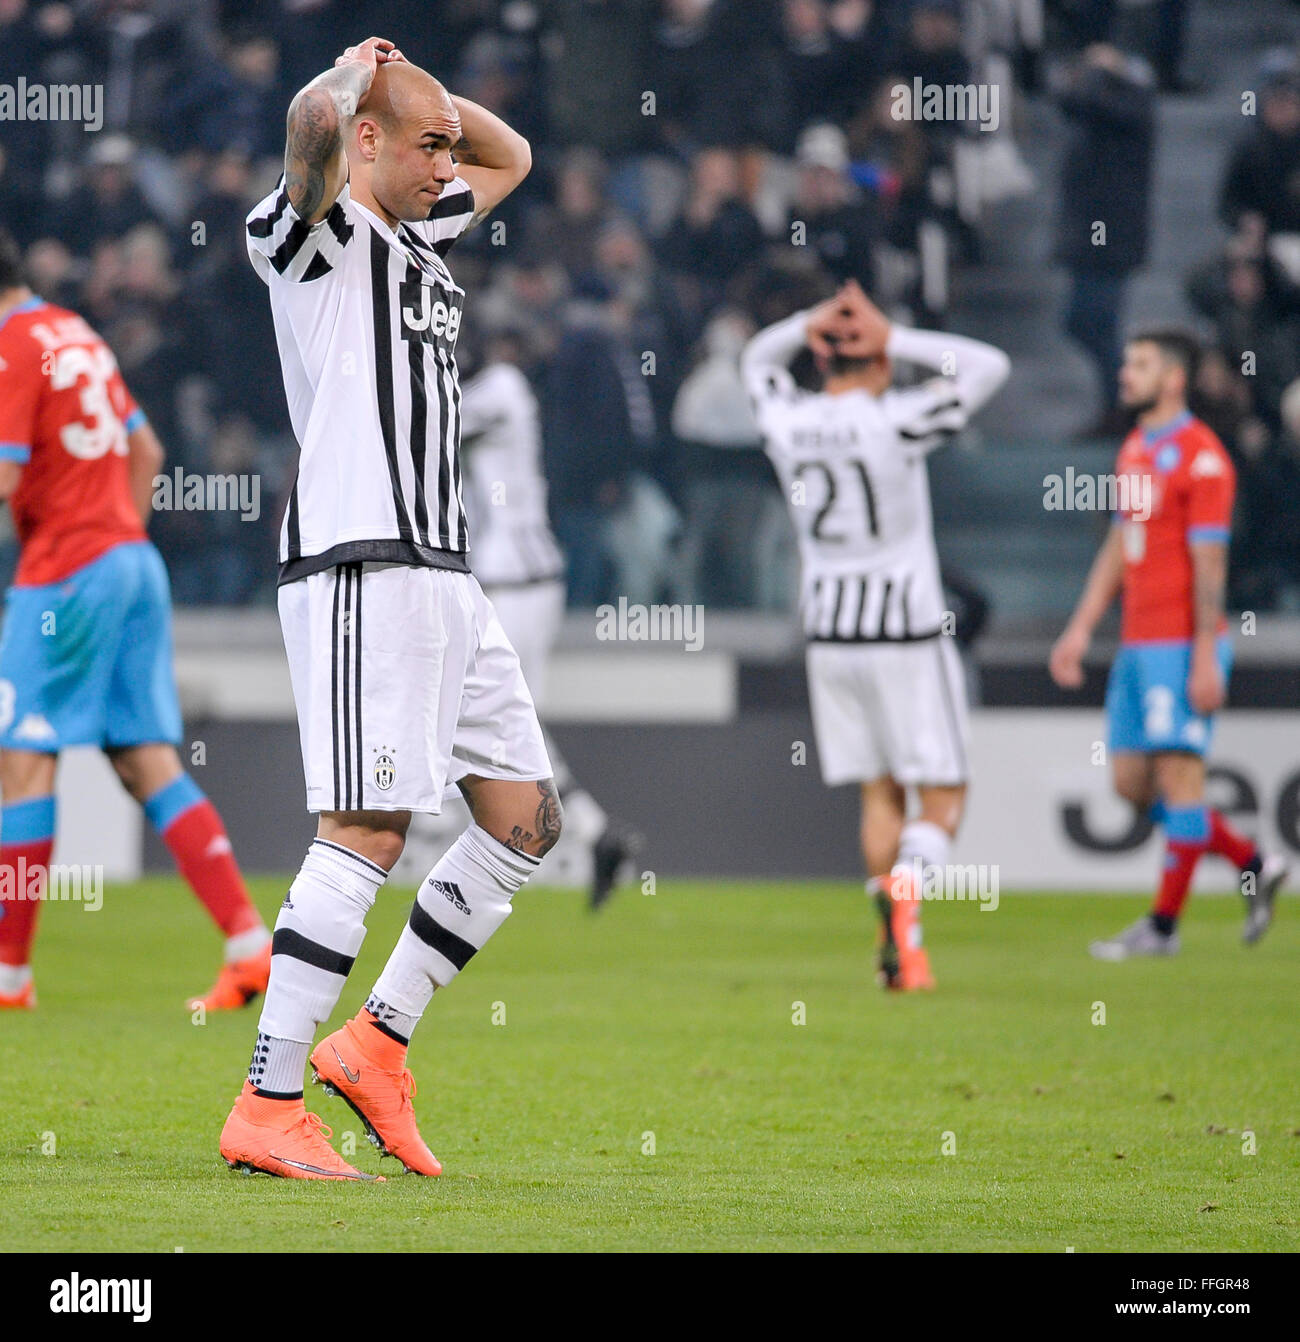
849	323
869	326
1066	660
372	53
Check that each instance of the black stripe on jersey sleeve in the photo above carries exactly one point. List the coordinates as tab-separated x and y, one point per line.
316	267
293	243
264	225
449	205
383	322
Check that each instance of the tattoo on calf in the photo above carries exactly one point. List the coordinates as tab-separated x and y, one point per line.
546	825
548	815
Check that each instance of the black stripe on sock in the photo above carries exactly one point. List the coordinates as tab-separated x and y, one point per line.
390	1032
354	855
286	941
447	944
277	1094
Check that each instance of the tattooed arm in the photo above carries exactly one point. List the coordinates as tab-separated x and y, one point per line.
315	165
1205	688
490	156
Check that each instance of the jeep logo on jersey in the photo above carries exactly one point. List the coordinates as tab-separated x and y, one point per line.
385	772
427	316
452	891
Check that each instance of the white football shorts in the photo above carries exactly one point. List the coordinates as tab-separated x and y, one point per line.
896	709
531	614
404	682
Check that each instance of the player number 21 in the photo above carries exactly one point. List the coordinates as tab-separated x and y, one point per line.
819	532
104	432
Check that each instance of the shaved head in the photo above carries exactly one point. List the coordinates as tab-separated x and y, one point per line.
400	141
401	92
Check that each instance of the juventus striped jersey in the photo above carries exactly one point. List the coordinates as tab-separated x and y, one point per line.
852	467
366	319
513	544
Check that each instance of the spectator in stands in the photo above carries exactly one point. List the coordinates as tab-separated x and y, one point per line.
1262	181
715	78
1254	309
891	160
829	213
113	203
1102	229
828	58
612	36
716	233
932	53
565	231
591	447
731	501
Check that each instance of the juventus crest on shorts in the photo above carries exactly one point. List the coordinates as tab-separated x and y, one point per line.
366	319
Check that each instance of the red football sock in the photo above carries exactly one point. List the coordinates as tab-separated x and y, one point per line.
22	867
197	840
1227	842
1181	857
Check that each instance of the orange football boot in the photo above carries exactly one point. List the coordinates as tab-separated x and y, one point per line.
904	965
368	1069
237	984
23	1000
280	1137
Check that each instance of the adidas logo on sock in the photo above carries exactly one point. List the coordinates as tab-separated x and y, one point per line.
452	891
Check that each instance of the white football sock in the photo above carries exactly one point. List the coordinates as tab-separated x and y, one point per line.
924	840
14	978
244	945
317	936
462	902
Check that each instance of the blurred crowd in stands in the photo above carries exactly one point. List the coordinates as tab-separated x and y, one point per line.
701	167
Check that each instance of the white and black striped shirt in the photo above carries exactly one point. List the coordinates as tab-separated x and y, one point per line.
502	434
366	319
852	467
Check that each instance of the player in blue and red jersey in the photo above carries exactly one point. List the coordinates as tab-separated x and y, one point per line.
85	654
1167	554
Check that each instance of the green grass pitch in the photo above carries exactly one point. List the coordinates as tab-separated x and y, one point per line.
992	1115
